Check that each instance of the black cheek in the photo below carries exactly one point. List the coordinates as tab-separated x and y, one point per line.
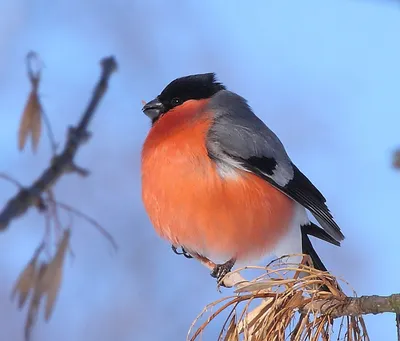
267	165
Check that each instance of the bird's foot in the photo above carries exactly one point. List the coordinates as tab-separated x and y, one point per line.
220	270
184	252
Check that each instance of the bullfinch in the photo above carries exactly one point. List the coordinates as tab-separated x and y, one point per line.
218	183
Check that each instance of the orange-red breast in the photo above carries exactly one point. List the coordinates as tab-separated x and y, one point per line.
218	182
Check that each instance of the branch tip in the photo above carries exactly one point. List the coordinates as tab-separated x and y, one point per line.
109	64
61	163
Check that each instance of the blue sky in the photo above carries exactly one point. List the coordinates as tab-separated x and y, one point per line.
324	75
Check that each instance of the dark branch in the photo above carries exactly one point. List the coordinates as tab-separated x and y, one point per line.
64	162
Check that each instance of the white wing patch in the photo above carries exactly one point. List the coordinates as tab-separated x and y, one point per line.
282	175
228	170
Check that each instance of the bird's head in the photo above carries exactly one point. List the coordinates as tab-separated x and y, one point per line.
180	90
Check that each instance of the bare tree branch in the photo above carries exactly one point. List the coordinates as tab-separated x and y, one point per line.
304	306
355	306
64	162
334	307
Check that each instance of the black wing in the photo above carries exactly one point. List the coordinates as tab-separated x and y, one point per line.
305	193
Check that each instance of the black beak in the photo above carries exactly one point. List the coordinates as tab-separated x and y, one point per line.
153	109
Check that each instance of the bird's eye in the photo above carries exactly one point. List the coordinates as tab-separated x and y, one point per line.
176	101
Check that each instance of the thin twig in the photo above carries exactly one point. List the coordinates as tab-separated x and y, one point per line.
53	209
10	179
90	220
34	74
64	162
34	66
50	134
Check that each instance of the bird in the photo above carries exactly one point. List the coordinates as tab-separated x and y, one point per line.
218	183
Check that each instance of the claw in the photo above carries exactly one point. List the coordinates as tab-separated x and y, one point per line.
184	252
175	250
220	270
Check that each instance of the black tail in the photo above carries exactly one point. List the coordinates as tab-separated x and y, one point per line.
315	231
309	250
